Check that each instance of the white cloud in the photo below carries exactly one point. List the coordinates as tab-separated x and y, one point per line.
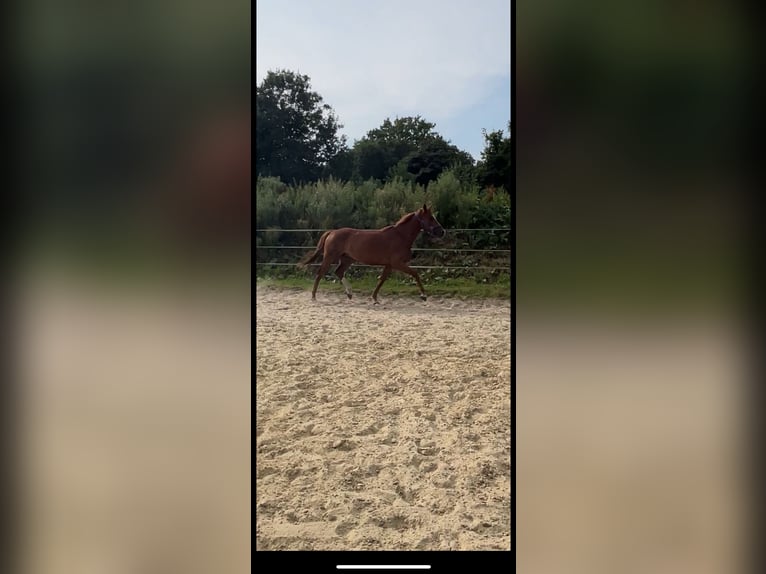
372	60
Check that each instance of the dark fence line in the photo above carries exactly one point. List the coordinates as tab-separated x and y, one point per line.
424	249
448	230
413	266
413	249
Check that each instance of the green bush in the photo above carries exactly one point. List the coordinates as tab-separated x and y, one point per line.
454	204
369	205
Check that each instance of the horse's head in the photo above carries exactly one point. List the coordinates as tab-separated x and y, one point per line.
428	222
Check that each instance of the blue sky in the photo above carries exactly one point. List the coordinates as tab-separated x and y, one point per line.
448	61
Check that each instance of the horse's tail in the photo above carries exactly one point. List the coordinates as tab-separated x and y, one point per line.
311	257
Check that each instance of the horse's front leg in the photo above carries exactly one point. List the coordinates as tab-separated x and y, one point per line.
410	271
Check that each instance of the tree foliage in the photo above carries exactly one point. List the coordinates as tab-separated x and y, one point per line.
382	148
296	132
403	134
297	139
409	148
495	167
433	158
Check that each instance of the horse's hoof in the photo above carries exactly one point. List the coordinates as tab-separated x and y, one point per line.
349	296
423	297
375	302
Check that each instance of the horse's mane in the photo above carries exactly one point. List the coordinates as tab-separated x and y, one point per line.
404	219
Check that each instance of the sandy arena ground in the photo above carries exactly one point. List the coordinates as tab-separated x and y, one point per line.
630	446
381	427
135	436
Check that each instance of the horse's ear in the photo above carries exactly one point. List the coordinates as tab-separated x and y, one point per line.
425	208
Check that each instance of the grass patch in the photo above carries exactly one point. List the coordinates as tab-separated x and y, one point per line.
363	286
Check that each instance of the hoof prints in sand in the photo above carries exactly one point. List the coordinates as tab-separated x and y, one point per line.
382	427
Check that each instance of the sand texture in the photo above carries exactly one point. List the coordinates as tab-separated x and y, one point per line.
135	431
381	427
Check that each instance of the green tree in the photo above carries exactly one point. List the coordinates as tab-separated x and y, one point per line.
495	167
372	160
296	132
409	148
403	134
382	148
341	166
433	157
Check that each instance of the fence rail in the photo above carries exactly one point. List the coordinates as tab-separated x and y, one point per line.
447	230
427	249
413	249
413	266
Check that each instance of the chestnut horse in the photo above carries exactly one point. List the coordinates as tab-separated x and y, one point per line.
389	247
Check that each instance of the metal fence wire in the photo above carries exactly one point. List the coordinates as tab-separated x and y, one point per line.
452	250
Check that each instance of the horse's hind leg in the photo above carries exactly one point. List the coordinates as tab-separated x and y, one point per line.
323	267
383	277
345	263
410	271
